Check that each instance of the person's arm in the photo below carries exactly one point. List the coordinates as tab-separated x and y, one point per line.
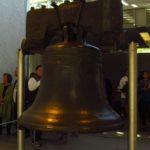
147	88
33	84
1	91
14	94
9	95
121	84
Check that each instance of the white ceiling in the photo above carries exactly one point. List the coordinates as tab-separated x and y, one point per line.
139	3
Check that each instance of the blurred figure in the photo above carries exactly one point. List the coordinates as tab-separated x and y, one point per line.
144	94
108	89
15	86
6	101
123	89
15	102
33	87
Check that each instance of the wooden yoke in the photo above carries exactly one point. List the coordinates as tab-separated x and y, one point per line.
100	22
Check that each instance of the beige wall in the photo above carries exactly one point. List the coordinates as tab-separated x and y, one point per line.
33	61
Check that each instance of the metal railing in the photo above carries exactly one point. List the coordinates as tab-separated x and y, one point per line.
9	122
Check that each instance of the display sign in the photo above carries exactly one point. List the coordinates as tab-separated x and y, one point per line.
143	50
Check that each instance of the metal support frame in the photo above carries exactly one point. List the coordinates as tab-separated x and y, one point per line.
132	139
20	97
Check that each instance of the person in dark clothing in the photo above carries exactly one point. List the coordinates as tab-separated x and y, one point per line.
6	100
15	98
123	90
33	87
144	94
108	89
15	101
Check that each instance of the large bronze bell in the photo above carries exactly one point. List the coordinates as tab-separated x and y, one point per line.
71	95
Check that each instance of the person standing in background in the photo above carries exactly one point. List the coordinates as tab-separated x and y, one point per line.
123	89
108	89
15	99
33	87
144	94
6	101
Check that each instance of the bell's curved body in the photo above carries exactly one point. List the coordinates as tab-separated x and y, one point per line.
71	95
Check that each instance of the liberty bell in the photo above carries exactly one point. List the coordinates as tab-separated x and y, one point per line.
72	94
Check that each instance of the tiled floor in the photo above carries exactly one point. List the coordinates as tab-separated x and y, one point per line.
100	141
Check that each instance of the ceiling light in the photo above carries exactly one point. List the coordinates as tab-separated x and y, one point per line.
134	5
124	3
145	36
120	133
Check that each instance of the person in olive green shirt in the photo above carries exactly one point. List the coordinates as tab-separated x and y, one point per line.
6	101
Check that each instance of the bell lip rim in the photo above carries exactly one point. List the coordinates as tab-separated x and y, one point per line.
118	124
82	131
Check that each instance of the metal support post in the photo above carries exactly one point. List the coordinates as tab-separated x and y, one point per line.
20	96
132	139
